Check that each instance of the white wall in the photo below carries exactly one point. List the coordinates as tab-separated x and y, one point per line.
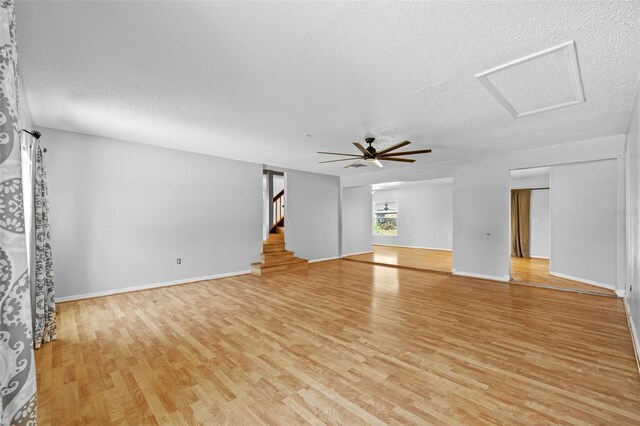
266	205
530	182
278	184
312	222
24	113
539	239
481	217
356	220
632	214
28	176
121	213
425	214
25	121
583	221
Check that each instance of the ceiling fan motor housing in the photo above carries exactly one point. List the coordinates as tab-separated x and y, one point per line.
370	148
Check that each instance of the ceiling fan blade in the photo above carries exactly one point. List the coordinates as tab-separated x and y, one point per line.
394	147
419	151
376	162
333	161
362	149
402	160
339	153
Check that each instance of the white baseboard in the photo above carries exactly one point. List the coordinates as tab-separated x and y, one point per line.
635	339
582	280
540	257
324	259
148	286
621	292
504	278
354	254
415	247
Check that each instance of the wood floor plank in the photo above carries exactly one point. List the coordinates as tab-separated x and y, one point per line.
341	343
523	270
408	257
533	270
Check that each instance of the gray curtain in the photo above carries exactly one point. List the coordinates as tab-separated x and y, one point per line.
17	368
45	312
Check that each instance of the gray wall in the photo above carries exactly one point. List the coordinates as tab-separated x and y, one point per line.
121	213
481	217
425	214
312	222
633	217
481	240
356	220
583	221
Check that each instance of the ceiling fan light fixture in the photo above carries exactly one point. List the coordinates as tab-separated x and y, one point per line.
375	161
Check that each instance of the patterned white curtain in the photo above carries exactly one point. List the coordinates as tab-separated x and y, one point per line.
17	368
45	313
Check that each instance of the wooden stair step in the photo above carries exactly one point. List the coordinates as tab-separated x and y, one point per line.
270	268
272	248
277	256
279	229
276	238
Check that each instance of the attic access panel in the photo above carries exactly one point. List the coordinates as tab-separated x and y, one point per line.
540	82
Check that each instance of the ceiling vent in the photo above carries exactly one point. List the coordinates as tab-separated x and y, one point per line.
537	83
355	165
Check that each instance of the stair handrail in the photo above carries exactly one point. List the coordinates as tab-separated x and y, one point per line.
278	195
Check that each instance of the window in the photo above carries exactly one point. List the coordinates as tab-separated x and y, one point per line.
385	218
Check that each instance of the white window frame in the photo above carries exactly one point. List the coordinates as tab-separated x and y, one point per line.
373	217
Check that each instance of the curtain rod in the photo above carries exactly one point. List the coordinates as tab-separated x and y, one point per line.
36	135
531	189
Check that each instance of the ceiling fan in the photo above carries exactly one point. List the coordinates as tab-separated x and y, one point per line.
370	154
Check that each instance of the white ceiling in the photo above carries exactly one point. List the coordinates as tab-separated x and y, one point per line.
250	81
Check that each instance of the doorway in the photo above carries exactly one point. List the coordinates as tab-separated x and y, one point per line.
411	225
273	198
555	227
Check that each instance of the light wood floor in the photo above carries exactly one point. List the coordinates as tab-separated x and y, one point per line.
537	271
342	343
415	258
528	271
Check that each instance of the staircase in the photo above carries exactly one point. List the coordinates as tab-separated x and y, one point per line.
274	257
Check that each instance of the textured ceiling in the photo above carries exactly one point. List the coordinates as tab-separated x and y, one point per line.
251	81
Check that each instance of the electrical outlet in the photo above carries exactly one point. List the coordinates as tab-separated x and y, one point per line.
179	261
